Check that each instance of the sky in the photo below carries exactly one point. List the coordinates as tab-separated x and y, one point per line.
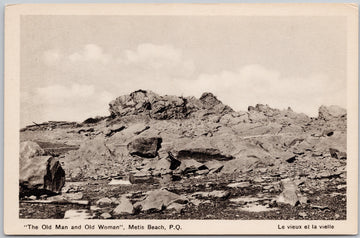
73	66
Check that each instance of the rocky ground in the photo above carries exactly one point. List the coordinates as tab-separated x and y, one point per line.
168	157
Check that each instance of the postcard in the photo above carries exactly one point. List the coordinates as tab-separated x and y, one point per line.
177	119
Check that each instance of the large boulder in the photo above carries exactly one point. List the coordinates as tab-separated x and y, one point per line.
204	149
331	112
145	147
41	174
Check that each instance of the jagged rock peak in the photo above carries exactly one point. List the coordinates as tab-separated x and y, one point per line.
165	107
209	99
331	112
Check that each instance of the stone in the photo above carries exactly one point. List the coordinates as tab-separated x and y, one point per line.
219	194
73	196
29	149
212	194
239	185
190	166
119	182
302	214
214	166
141	177
174	162
152	105
41	173
176	207
196	202
95	208
331	112
202	154
32	197
161	166
77	214
241	164
303	200
244	200
288	195
291	159
341	186
256	208
105	215
210	102
145	147
104	201
113	129
202	172
142	130
335	153
320	207
92	160
124	207
158	200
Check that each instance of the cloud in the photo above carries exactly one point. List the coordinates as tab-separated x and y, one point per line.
252	84
74	102
81	87
58	93
51	57
90	52
156	58
149	52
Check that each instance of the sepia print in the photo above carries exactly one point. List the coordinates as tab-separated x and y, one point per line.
156	117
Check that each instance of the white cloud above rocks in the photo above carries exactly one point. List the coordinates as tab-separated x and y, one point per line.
252	84
88	79
90	52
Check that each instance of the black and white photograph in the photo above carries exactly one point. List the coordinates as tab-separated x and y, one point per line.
213	116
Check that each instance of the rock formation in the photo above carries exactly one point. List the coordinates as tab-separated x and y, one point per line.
39	173
213	161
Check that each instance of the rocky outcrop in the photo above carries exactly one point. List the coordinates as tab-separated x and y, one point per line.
166	107
39	173
145	147
331	112
210	103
